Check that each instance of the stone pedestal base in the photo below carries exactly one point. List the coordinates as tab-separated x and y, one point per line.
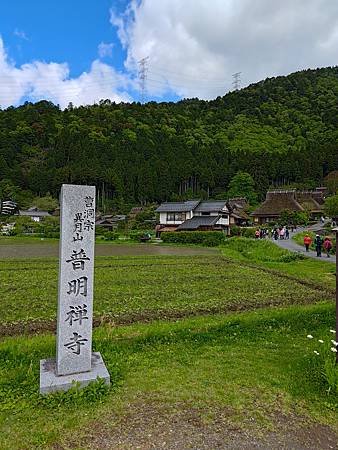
50	382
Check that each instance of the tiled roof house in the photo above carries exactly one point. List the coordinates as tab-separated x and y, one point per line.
193	215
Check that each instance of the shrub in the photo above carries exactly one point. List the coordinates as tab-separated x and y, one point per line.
291	257
49	227
206	238
110	236
135	236
235	230
248	232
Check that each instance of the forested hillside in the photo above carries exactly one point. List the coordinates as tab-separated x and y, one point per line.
281	131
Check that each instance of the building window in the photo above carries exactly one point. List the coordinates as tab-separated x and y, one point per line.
205	213
176	217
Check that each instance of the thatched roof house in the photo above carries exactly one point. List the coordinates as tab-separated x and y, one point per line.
278	201
308	201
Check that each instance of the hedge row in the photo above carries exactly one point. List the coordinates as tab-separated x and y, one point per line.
248	232
207	238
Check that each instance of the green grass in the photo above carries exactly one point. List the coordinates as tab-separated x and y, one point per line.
256	365
269	255
15	240
148	286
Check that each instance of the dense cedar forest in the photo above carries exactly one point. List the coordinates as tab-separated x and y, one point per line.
282	131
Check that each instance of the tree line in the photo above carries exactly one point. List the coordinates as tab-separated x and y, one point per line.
282	131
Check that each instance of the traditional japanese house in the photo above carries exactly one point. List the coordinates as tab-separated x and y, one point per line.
173	214
276	202
109	222
309	202
238	215
193	215
34	213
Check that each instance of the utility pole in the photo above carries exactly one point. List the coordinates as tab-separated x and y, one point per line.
142	73
237	80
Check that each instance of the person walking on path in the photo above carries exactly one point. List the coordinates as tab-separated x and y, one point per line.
318	245
307	242
327	246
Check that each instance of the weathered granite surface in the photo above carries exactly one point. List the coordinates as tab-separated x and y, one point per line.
76	279
50	382
74	358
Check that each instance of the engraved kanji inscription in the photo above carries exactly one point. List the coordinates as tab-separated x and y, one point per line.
78	217
77	237
88	225
89	201
78	259
75	343
76	314
78	227
78	286
89	213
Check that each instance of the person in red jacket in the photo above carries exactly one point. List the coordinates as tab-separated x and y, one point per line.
307	242
327	246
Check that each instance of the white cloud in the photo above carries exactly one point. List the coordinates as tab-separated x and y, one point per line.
105	50
196	45
39	80
21	34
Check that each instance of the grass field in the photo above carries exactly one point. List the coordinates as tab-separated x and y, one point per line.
249	368
153	286
213	369
268	255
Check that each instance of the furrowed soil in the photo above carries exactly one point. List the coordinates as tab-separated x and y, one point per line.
146	288
204	352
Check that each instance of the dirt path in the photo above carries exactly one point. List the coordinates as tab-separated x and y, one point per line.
149	426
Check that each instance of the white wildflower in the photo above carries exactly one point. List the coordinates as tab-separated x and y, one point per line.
321	341
309	336
333	331
334	342
315	352
333	349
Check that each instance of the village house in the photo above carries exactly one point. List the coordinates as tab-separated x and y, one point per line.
193	215
289	200
238	215
110	222
34	213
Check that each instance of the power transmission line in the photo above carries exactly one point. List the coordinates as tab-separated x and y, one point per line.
237	80
142	73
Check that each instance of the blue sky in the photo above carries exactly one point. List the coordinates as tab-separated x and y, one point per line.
59	31
83	51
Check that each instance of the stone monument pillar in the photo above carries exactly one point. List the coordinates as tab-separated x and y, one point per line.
74	358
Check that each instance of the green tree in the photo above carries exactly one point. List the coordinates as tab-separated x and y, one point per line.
331	206
243	185
47	203
331	182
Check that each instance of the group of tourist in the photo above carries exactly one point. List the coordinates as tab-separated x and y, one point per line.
319	243
284	233
275	233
